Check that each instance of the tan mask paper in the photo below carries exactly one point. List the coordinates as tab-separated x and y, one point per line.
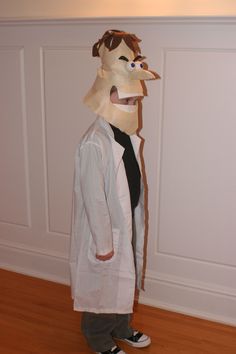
122	67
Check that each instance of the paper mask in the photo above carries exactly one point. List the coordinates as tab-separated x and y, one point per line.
122	67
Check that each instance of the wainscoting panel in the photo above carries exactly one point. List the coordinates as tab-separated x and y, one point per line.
14	186
197	173
63	70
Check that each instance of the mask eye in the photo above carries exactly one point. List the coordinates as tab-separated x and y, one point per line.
139	65
131	65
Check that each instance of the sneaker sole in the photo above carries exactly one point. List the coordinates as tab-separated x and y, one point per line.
142	344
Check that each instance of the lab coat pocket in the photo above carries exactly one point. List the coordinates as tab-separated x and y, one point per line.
92	249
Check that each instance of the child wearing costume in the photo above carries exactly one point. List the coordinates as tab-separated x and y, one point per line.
106	258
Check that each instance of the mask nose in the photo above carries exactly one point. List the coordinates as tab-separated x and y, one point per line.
137	72
142	75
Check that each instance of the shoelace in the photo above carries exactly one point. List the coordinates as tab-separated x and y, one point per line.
135	337
114	350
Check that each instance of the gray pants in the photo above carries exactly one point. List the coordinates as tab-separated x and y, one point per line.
99	329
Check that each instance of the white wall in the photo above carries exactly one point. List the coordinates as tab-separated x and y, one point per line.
107	8
188	124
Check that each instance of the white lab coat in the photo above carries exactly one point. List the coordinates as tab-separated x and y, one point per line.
102	221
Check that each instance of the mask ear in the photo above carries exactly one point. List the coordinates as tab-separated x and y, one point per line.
95	51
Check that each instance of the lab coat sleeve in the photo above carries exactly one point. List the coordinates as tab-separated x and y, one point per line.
92	186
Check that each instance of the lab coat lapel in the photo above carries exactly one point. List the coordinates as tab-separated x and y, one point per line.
136	142
118	151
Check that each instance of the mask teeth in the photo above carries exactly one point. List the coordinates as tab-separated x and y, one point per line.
125	95
126	108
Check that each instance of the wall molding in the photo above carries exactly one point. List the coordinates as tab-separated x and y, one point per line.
188	311
121	20
34	263
189	298
21	247
190	284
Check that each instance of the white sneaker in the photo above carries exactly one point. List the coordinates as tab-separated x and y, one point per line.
138	340
114	350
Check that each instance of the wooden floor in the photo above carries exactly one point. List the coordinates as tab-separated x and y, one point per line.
36	316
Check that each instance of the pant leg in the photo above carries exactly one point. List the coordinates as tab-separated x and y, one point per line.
97	329
122	328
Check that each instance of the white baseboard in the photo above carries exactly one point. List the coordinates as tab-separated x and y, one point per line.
190	299
36	264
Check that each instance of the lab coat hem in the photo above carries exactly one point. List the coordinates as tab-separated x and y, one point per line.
94	310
